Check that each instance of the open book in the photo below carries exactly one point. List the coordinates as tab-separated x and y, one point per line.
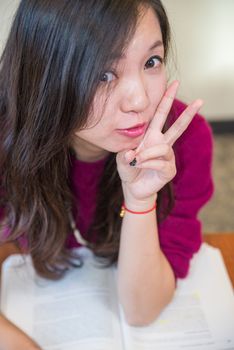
81	311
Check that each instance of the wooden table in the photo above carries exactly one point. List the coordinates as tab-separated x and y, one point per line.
225	242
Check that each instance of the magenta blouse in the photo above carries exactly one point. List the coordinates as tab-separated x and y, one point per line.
180	234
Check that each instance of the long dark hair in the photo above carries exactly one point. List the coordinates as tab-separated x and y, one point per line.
49	74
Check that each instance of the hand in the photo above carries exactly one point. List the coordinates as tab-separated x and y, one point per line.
155	159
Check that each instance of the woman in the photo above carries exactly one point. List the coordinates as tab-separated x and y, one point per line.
89	127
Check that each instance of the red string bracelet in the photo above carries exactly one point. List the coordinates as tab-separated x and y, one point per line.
124	209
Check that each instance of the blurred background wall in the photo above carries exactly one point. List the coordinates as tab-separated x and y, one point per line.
203	31
7	9
203	61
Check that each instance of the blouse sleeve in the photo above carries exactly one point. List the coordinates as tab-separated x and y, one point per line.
181	232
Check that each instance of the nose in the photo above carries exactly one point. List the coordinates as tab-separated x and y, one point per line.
134	95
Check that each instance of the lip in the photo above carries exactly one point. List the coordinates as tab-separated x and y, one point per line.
135	131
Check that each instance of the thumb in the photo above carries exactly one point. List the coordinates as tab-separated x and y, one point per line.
125	170
125	157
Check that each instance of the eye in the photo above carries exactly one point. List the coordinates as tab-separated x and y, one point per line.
153	62
107	77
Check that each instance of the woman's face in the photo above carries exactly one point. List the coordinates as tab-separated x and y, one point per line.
137	82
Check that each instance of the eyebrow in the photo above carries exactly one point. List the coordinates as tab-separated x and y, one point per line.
156	44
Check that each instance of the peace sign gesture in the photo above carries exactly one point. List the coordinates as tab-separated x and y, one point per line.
154	160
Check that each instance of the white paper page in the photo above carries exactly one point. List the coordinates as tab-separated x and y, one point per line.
78	312
201	315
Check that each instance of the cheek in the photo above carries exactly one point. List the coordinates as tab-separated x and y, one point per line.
157	90
102	108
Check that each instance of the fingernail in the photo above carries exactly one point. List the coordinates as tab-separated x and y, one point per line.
133	162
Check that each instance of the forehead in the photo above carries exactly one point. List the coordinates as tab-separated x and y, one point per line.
147	35
147	22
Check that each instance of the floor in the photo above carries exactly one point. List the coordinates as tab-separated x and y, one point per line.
218	214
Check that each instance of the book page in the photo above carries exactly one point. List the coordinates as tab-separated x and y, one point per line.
200	316
78	312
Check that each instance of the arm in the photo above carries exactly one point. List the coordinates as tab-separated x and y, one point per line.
11	337
146	280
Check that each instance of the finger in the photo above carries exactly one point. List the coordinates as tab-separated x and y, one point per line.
167	167
157	164
162	150
164	107
181	124
162	111
129	156
127	173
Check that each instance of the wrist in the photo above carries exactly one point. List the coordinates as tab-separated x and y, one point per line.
139	205
124	209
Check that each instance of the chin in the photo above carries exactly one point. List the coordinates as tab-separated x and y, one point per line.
131	146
